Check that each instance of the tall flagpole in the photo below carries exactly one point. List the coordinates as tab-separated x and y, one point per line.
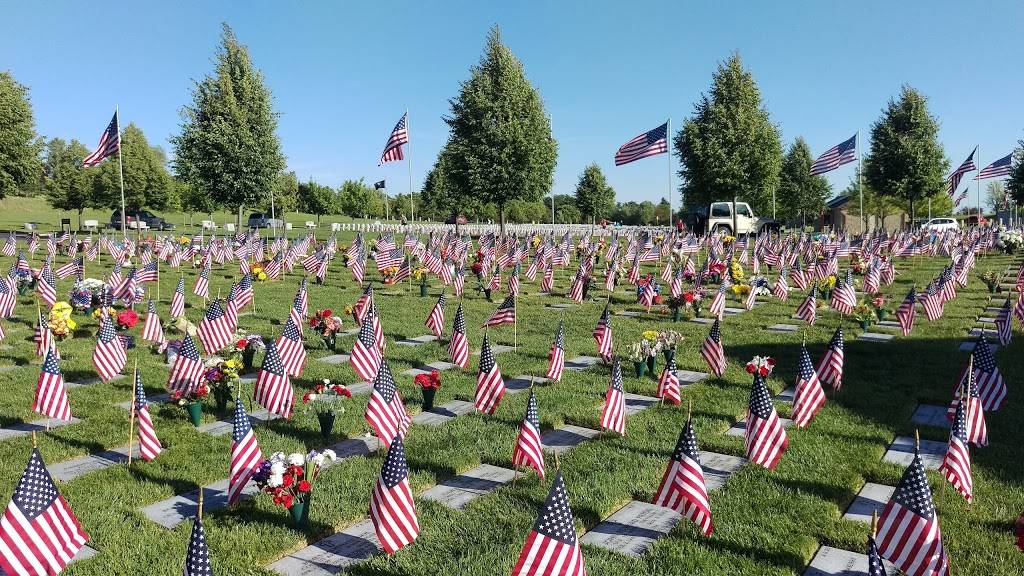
978	178
120	168
412	203
668	149
860	183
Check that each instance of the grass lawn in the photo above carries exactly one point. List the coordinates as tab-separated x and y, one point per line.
766	522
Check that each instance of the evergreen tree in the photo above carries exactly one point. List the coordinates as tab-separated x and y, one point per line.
68	184
228	146
906	160
19	145
501	144
729	148
1016	182
594	197
800	195
147	183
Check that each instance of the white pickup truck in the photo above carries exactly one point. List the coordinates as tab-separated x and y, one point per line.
719	219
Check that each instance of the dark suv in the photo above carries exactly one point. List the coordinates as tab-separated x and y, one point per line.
152	221
263	220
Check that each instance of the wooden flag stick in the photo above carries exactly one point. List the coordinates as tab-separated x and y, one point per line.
874	523
131	412
34	439
917	440
199	510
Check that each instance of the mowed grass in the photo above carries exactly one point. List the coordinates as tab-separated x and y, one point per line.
766	522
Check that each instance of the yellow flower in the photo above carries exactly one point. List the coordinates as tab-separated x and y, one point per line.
184	240
348	310
262	275
651	335
71	324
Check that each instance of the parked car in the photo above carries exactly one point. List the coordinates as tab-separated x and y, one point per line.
941	224
152	220
717	218
263	220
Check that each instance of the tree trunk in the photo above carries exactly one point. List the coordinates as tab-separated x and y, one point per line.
501	218
80	210
238	218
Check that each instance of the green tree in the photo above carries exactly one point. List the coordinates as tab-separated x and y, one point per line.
594	197
286	194
317	199
68	184
358	200
228	146
875	204
906	160
562	201
19	145
729	148
801	195
193	200
147	183
1016	182
438	199
501	144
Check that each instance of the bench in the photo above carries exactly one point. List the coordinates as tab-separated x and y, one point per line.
229	227
310	224
91	225
208	225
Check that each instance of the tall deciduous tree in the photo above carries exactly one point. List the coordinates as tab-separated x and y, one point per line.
286	194
228	146
147	183
801	195
19	145
317	199
68	184
594	197
1016	182
729	148
501	144
906	160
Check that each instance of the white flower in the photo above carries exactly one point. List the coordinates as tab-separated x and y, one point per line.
275	480
277	468
330	454
213	361
327	381
312	397
296	459
317	459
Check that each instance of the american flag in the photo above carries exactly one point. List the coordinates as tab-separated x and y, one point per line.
385	411
556	357
490	386
8	300
178	300
152	329
932	302
977	428
188	367
46	285
362	305
613	416
245	453
197	559
528	451
781	288
682	487
43	337
244	295
603	335
366	356
842	153
711	350
202	285
908	528
844	297
39	534
110	143
647	144
458	344
906	312
291	349
513	281
505	314
109	356
717	307
958	174
764	437
548	281
10	246
991	387
875	567
1004	324
668	384
273	390
830	369
808	310
392	508
551	547
997	169
51	399
72	268
435	321
809	397
149	444
399	136
213	329
956	465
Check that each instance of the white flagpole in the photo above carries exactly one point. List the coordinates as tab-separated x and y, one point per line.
120	168
860	182
668	149
412	203
979	184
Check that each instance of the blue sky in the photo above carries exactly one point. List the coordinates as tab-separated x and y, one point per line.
342	73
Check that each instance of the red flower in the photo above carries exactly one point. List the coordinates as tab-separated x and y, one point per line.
287	500
304	486
342	391
241	344
326	313
751	368
127	318
287	480
314	321
657	299
305	397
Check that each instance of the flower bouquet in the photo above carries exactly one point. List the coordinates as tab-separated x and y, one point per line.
247	345
651	345
60	322
192	400
878	304
327	325
26	281
323	401
668	340
126	319
221	377
289	479
1010	241
420	273
715	272
389	274
864	314
429	384
762	365
258	271
676	304
826	285
991	279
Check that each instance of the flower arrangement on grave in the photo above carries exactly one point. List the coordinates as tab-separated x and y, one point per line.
258	271
99	312
325	401
991	280
289	479
429	384
421	274
727	239
246	346
221	377
25	280
327	325
126	319
60	322
857	263
389	274
478	265
826	285
864	313
192	400
1010	241
715	272
85	294
649	282
762	365
735	270
878	305
668	340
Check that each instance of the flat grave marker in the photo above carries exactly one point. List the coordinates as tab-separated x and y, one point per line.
783	328
901	452
441	414
705	321
26	428
689	377
875	337
871	498
76	467
930	415
439	365
93	381
581	362
522	382
632	529
740	427
829	561
458	491
333	554
561	440
719	467
335	359
636	403
417	340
